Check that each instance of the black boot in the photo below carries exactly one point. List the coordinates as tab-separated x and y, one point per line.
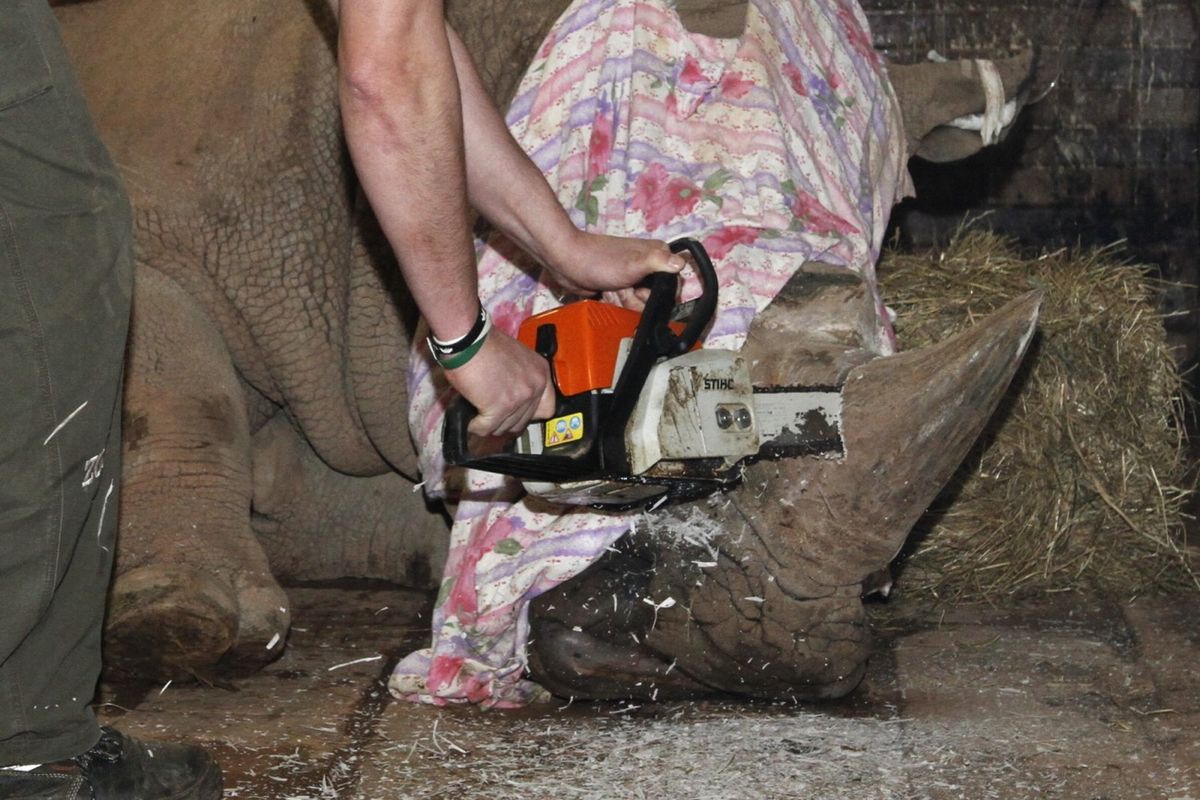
120	767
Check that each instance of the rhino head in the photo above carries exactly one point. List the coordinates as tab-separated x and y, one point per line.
758	592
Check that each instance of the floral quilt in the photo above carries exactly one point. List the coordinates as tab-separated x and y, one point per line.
782	146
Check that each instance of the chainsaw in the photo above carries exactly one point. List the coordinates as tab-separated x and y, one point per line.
644	414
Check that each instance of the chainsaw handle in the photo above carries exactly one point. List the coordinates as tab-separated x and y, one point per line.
497	454
456	440
706	304
455	444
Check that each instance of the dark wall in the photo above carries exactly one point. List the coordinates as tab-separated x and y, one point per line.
1110	152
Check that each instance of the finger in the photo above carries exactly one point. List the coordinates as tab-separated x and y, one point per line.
527	410
504	424
517	422
521	418
616	297
660	260
675	263
634	300
483	425
546	404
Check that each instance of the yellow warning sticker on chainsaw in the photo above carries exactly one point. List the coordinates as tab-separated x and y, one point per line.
563	430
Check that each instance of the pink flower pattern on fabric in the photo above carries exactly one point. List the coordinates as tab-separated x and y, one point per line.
599	154
662	197
443	671
813	216
462	598
600	146
859	39
691	72
720	243
734	86
795	79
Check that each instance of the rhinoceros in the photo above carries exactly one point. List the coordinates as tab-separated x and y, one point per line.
265	435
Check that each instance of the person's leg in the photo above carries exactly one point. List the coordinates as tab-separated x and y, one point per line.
65	286
66	273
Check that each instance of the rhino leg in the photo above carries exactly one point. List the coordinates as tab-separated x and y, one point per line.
316	523
192	587
758	592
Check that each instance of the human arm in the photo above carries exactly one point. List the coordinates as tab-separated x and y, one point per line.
507	188
402	114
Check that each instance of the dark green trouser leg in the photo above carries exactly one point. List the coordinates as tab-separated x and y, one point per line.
65	287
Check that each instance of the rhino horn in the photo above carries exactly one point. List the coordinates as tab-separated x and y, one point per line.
908	421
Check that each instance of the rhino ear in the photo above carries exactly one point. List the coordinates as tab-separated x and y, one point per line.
953	109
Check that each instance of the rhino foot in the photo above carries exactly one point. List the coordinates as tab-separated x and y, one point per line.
164	621
263	623
168	622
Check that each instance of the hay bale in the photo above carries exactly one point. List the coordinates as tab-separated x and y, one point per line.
1078	482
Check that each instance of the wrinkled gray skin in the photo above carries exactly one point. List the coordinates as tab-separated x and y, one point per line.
265	418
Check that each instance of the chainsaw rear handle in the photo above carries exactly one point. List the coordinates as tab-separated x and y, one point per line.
456	439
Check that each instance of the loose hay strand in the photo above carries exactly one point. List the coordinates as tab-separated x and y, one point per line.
1079	481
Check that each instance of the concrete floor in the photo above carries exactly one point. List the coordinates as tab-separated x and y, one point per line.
1062	699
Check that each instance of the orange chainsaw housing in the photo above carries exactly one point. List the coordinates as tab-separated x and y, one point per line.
589	335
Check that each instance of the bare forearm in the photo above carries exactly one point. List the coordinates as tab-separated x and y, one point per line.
505	186
401	111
